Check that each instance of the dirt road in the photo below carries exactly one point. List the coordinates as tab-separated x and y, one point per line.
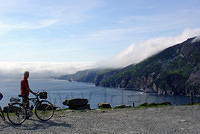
167	120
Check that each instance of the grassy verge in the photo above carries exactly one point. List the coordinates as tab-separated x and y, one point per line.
195	103
144	105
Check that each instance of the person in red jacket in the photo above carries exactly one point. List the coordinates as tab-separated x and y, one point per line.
25	90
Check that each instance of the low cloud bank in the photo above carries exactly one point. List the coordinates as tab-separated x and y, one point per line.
137	52
39	70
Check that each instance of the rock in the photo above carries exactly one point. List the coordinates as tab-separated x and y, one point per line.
80	107
104	105
77	104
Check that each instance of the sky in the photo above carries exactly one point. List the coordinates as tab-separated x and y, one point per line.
64	36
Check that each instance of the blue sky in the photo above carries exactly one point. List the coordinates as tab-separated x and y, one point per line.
87	30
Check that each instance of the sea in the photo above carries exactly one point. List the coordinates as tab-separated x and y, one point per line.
61	90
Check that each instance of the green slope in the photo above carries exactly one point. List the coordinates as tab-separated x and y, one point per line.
169	72
174	71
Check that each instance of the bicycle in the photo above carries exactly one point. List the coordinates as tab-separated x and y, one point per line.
2	114
17	112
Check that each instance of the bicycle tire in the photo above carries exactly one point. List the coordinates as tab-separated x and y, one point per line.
2	114
16	113
44	110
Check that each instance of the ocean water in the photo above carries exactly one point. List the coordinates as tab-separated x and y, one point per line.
60	90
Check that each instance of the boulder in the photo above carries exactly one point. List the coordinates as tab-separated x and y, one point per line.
80	107
77	104
104	105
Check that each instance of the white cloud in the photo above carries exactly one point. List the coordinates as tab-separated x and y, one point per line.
28	25
137	52
12	70
196	39
133	54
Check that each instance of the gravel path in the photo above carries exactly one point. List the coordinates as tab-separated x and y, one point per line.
166	120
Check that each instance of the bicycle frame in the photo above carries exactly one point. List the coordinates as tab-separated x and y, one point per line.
34	100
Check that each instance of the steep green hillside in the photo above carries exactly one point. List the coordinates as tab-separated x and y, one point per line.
174	71
91	75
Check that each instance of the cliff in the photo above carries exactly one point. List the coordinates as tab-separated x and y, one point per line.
173	71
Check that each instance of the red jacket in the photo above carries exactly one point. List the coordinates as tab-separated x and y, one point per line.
24	87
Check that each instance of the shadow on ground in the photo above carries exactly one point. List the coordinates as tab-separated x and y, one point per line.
3	125
33	124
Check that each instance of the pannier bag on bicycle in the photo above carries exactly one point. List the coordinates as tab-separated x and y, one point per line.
43	95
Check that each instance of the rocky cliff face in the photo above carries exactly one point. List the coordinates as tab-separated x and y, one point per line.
174	71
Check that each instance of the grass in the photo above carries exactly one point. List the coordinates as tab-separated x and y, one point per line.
195	103
144	105
156	105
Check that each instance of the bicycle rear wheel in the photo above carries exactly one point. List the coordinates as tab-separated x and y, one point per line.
44	110
2	114
16	113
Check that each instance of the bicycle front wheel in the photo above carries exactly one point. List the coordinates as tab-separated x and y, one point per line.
16	113
44	110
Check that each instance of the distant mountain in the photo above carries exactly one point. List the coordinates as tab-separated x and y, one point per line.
174	71
90	76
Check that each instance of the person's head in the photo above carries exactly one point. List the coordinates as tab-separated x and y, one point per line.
26	74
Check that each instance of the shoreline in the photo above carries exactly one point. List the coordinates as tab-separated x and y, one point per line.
130	89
